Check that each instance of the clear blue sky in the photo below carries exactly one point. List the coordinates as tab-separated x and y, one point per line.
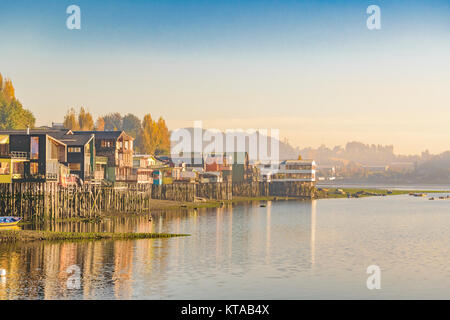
310	68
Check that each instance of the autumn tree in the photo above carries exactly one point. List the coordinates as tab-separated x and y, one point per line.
85	120
164	137
100	124
71	120
148	138
8	90
155	136
12	113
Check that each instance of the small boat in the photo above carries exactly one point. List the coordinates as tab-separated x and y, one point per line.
9	221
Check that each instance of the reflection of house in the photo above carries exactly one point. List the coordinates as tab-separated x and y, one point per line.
117	146
41	154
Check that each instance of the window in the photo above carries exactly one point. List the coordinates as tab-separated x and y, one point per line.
4	145
75	166
4	168
18	168
34	147
106	143
74	149
126	145
34	168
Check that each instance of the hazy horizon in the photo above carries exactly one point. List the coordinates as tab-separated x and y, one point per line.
311	69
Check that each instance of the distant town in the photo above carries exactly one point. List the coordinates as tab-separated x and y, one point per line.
108	158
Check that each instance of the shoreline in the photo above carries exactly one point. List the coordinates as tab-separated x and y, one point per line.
158	206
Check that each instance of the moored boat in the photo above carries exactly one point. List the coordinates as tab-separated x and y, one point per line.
9	221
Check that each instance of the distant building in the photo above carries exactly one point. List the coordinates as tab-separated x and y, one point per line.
295	170
325	172
190	160
375	169
241	169
219	165
402	167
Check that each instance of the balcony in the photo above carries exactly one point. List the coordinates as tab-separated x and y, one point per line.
19	154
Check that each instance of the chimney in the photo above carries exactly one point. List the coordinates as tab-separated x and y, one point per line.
28	130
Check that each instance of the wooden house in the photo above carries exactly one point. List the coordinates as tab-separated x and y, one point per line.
31	155
80	154
117	147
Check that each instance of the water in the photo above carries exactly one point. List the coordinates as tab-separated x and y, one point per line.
286	250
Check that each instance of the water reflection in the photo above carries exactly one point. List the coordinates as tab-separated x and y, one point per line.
286	249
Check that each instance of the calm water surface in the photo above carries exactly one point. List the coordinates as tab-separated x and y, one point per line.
286	250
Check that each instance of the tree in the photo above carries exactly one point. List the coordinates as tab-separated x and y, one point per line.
100	124
148	138
132	125
12	113
113	121
70	120
8	90
85	120
155	136
164	137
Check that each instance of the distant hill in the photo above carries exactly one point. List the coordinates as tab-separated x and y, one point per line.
286	151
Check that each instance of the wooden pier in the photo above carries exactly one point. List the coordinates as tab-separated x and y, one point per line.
50	201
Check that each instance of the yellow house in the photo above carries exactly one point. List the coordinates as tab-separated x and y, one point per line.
11	169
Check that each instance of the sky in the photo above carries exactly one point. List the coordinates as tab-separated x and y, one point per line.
309	68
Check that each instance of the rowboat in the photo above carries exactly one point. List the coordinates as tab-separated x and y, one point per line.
9	221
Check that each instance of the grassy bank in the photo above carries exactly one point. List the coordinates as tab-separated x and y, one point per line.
362	192
32	235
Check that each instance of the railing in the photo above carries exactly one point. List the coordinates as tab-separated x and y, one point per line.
51	176
19	154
